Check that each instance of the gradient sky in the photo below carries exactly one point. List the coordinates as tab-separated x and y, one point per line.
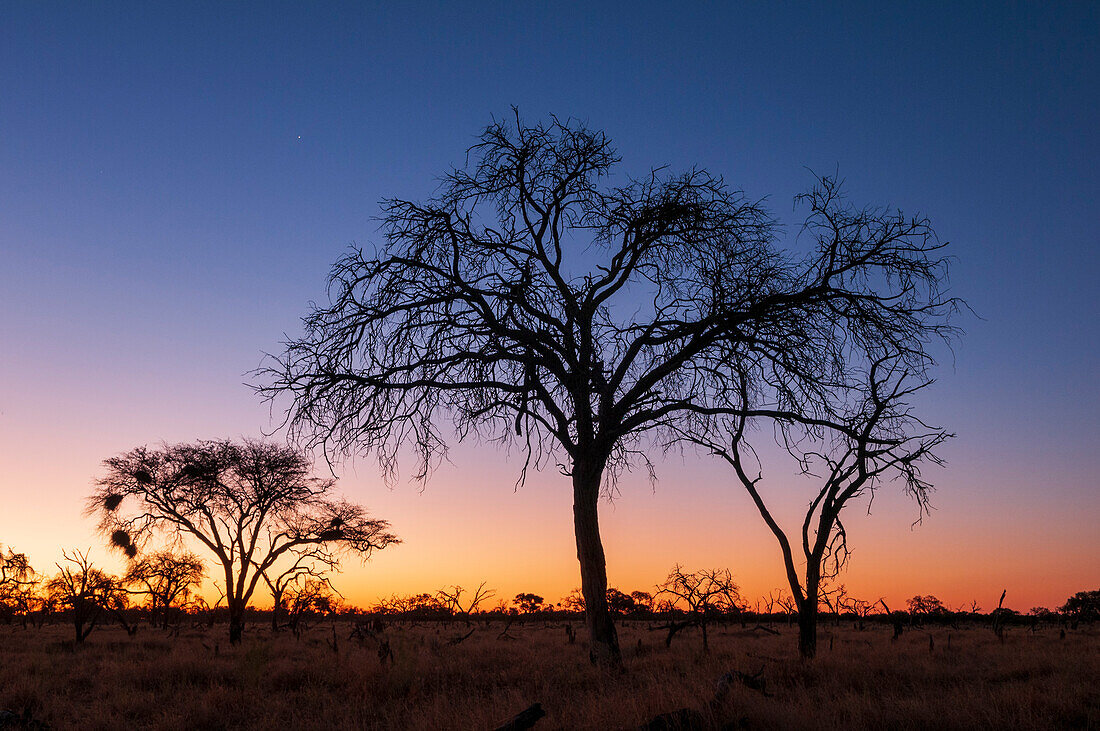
177	179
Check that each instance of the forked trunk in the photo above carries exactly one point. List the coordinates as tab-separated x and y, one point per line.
604	647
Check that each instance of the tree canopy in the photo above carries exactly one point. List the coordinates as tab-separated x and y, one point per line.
534	301
249	504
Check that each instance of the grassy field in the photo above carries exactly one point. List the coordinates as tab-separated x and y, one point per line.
861	679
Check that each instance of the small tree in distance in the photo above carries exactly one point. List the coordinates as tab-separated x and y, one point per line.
927	606
166	577
528	603
643	600
450	598
702	592
250	504
17	582
309	562
84	590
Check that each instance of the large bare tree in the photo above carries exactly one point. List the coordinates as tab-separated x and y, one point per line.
250	504
533	301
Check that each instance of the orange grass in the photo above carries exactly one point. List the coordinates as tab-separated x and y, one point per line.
1034	680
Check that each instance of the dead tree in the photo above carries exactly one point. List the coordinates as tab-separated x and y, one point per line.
249	504
702	592
531	302
860	609
451	599
895	619
525	719
999	615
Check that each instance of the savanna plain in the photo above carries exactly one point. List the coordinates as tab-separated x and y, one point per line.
447	675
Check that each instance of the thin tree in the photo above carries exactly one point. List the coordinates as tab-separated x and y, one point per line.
249	504
532	302
166	577
879	440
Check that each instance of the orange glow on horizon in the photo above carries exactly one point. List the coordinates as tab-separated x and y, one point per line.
469	525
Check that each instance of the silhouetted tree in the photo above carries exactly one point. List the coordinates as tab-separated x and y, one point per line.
618	602
84	590
573	601
451	599
528	603
307	597
309	562
643	600
702	592
859	607
249	504
530	301
879	439
16	573
165	576
925	606
15	569
17	584
424	606
1084	606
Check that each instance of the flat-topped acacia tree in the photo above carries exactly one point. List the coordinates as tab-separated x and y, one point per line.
533	301
250	504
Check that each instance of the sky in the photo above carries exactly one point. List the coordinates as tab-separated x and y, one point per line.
177	179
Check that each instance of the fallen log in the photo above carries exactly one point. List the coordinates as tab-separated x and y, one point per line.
523	720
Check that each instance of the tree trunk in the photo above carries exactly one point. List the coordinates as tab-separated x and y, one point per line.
807	626
277	597
604	649
236	622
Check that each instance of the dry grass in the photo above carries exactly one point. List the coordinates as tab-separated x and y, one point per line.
1031	681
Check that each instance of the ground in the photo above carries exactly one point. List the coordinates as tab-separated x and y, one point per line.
966	678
